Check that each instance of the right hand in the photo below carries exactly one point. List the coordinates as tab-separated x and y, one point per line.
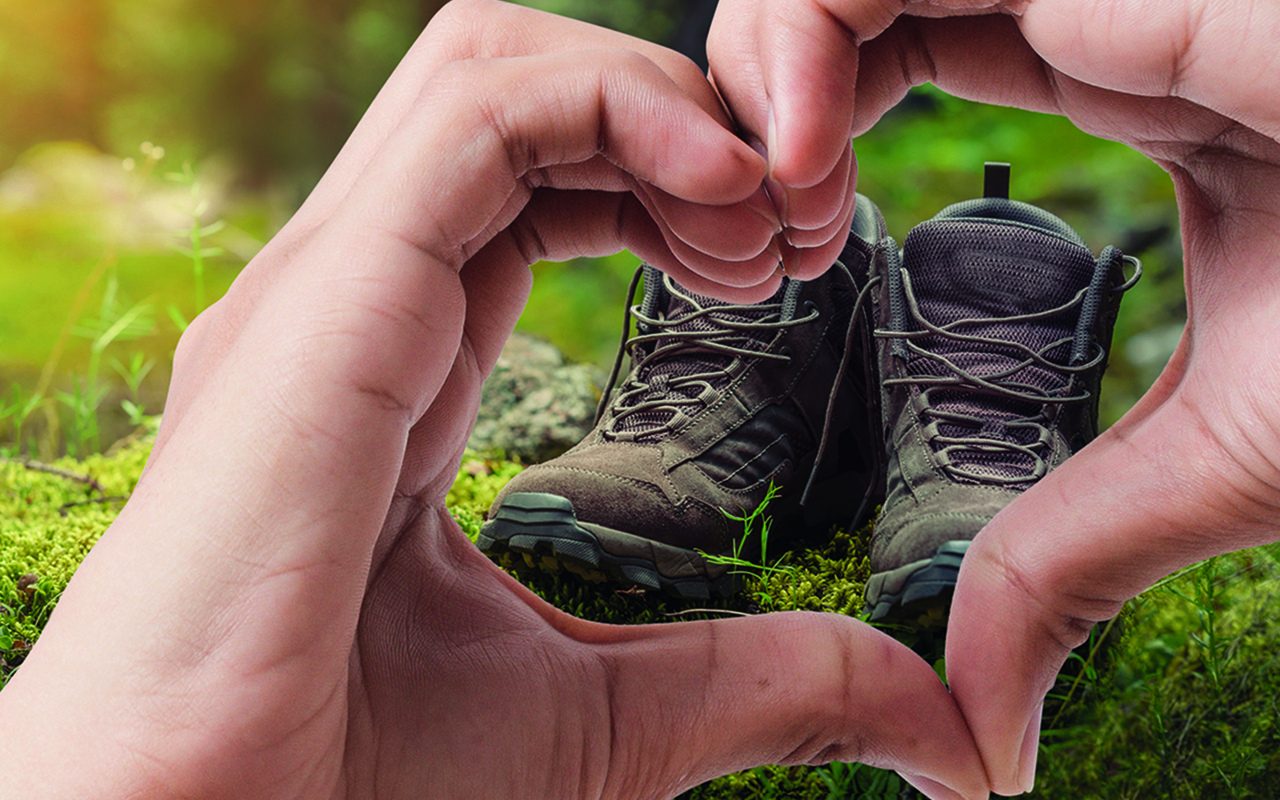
1194	469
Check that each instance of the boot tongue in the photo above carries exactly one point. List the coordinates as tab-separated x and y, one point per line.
686	359
980	269
974	269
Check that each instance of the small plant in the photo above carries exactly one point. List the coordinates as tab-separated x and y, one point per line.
1214	649
17	409
195	235
114	323
82	401
759	573
133	374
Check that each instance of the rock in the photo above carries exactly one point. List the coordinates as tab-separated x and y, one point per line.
534	406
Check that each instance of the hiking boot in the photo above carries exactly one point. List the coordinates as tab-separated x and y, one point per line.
993	328
721	401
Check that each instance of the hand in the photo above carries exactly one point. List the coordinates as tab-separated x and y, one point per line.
286	609
1192	470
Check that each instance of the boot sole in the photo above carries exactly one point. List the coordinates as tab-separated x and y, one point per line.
918	592
544	529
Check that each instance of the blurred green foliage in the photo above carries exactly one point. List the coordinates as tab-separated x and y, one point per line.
276	86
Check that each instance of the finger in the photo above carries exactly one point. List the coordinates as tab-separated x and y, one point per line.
571	108
721	233
806	212
731	244
987	59
476	29
750	273
556	225
983	58
705	699
1221	55
786	71
650	129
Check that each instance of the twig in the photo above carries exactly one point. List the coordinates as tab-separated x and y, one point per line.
62	509
127	440
40	466
706	611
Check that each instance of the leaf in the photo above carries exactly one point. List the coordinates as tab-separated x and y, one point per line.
178	319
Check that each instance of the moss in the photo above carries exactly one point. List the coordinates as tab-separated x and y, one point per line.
480	478
833	782
827	575
50	516
1182	702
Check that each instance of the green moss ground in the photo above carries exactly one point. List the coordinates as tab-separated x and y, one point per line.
48	522
1181	701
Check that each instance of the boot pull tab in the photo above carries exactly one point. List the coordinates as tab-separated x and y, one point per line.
995	179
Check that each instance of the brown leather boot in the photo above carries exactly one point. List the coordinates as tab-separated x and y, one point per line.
721	401
993	329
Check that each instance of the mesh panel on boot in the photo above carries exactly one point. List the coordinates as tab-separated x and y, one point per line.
966	269
687	359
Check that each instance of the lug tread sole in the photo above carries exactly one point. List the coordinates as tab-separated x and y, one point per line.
544	530
918	591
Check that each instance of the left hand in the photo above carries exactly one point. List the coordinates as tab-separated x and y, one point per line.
285	608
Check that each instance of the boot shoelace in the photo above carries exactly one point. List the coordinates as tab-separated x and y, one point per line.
725	340
669	394
989	438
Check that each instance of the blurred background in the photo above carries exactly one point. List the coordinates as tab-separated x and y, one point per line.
149	147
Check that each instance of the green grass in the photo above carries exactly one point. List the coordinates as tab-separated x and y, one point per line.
47	257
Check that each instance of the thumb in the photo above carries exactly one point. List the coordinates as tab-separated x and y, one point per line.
1155	493
699	700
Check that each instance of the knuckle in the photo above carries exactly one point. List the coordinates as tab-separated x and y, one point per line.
1065	617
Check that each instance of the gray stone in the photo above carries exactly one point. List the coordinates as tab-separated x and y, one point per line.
534	406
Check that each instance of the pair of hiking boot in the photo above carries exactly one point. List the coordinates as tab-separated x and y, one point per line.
936	383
